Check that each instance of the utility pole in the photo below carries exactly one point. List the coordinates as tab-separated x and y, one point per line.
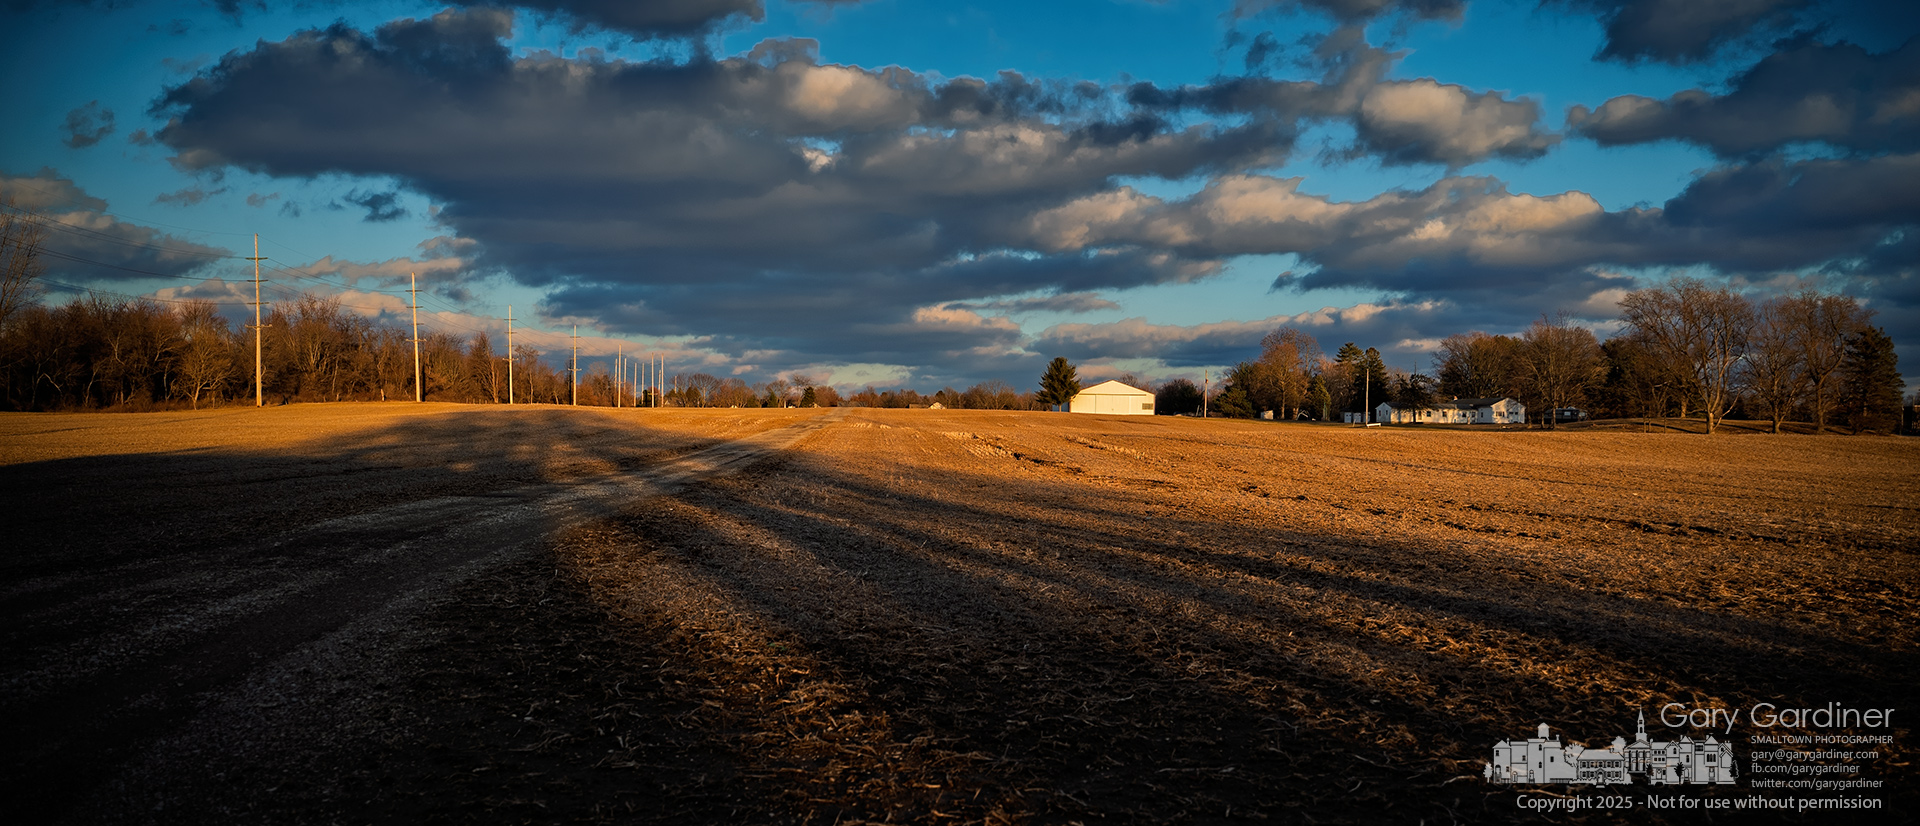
619	373
573	363
509	354
413	289
1206	378
259	396
1366	394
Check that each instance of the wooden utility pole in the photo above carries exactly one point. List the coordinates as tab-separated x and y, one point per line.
413	289
259	396
619	374
573	363
1206	377
509	354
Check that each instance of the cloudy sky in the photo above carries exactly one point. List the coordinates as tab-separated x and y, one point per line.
925	194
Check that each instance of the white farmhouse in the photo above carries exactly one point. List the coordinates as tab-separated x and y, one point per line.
1112	397
1458	411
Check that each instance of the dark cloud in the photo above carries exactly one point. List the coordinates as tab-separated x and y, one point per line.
773	204
853	198
1080	302
235	10
652	18
1472	242
381	207
656	18
1263	50
85	245
1684	31
187	197
87	125
1358	11
1400	121
1836	94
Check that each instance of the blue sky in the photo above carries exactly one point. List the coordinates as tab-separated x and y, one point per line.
938	194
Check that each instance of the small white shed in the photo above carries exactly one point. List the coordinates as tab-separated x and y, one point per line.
1114	398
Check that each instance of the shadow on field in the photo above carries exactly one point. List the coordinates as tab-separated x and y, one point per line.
1045	650
801	642
140	589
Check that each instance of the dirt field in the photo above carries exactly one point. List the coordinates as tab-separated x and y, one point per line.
399	613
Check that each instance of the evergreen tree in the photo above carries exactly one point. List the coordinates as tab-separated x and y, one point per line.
1233	403
1320	399
1871	383
1371	384
807	399
1059	384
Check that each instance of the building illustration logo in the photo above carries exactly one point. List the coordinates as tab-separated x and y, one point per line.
1543	758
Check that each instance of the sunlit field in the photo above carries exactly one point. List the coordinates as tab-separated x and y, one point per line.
416	613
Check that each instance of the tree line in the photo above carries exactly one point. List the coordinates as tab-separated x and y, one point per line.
1685	349
111	352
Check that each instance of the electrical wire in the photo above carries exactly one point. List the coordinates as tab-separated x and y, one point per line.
78	260
51	223
97	291
287	294
22	182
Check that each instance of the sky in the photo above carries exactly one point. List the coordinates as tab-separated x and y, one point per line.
926	194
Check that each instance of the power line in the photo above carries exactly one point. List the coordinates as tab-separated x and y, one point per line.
131	297
21	182
54	223
65	256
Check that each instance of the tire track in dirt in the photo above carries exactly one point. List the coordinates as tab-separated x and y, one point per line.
72	729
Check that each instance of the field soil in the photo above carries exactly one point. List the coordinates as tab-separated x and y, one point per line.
438	613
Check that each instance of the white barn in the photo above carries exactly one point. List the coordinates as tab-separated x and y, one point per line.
1458	411
1114	398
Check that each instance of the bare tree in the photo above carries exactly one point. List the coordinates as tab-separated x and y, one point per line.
1477	366
1702	332
1820	325
1289	354
21	234
1776	372
1560	361
206	356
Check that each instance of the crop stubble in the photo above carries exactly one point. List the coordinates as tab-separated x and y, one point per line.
932	615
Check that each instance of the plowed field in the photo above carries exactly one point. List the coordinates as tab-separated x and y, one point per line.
392	613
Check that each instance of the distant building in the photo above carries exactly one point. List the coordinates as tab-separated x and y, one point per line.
1114	398
1458	411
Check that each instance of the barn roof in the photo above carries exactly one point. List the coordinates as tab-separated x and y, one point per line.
1114	388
